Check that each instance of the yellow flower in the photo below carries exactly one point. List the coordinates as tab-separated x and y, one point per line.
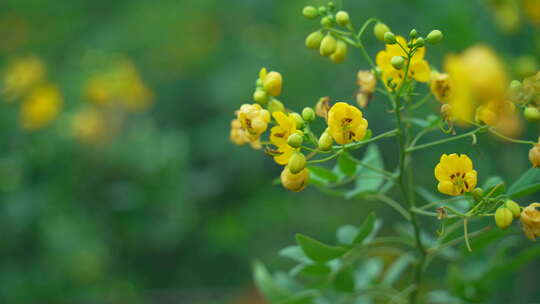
530	221
419	68
532	11
366	81
254	119
455	174
286	125
240	136
441	86
294	182
21	75
346	124
40	107
534	155
89	126
271	82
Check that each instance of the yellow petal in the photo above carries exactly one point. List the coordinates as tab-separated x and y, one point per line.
446	187
262	74
420	71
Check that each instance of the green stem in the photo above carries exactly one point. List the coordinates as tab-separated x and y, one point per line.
367	141
517	141
442	141
390	175
359	43
393	204
322	160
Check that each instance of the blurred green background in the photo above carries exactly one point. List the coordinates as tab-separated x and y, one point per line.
133	193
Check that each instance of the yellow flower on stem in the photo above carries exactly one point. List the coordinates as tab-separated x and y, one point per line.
294	182
455	174
254	119
530	221
41	107
441	86
240	136
279	135
271	82
346	124
419	69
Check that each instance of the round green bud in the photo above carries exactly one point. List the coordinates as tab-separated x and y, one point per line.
419	42
397	62
326	21
434	37
477	193
390	38
325	141
513	207
259	83
295	140
379	30
515	85
331	5
342	18
503	217
297	162
328	45
413	34
341	52
308	114
299	120
322	10
313	40
275	106
310	12
532	114
260	96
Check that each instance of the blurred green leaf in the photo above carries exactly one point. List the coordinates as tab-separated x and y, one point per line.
527	184
365	229
318	251
311	270
397	268
346	234
302	297
321	176
294	253
368	181
266	285
344	281
345	166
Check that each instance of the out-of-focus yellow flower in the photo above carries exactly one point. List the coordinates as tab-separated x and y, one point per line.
294	182
240	136
532	11
530	221
455	174
41	107
441	86
366	81
21	75
346	124
461	99
419	68
89	126
254	119
279	135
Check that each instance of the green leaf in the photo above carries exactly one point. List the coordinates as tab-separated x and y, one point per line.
345	166
294	253
303	297
344	280
368	181
311	270
513	264
318	251
397	268
321	176
527	184
346	234
365	229
493	182
266	285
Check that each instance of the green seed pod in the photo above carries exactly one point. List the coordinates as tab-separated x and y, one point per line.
341	52
308	114
299	120
310	12
390	38
532	114
295	140
326	21
513	207
397	62
297	162
434	37
503	217
275	106
477	193
325	141
260	96
419	42
413	34
379	30
313	40
328	45
342	18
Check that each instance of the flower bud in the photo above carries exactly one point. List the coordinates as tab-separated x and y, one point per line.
379	30
260	96
503	217
325	141
446	111
534	156
295	140
390	38
413	34
326	21
513	207
272	83
397	62
530	220
434	37
313	40
331	5
322	10
419	42
342	18
275	106
299	120
341	52
328	45
294	182
297	162
531	113
478	194
310	12
308	114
